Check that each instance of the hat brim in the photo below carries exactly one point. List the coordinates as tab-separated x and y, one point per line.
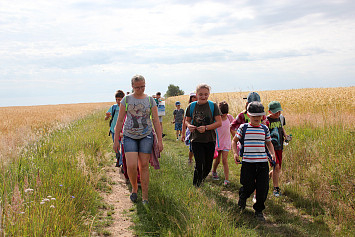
256	114
274	111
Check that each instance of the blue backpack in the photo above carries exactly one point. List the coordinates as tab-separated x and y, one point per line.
114	107
241	140
211	104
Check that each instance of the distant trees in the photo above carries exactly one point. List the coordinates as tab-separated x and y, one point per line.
173	91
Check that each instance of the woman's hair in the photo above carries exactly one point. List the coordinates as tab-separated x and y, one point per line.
203	86
119	94
137	78
190	100
223	106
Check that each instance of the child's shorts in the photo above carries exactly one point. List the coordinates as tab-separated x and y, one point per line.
143	145
178	126
278	154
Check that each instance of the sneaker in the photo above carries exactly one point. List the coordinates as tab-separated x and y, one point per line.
226	182
242	204
163	135
215	176
133	197
177	139
277	192
254	199
259	216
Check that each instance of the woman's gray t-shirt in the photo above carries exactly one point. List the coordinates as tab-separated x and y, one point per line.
138	123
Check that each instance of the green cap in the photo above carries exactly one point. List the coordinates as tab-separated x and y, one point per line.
275	106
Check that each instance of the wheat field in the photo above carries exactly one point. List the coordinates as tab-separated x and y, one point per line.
20	125
318	107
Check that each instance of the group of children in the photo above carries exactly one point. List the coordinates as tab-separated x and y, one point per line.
207	128
256	138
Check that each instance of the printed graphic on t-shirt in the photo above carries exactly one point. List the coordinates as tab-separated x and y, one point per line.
276	132
201	118
139	119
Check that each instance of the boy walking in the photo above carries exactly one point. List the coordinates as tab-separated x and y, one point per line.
113	113
276	122
255	170
178	117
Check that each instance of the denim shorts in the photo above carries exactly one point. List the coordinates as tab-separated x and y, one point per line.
143	145
178	126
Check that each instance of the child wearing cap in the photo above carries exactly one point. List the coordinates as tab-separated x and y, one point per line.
276	122
178	117
242	116
254	173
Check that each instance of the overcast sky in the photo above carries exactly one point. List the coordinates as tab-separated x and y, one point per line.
83	51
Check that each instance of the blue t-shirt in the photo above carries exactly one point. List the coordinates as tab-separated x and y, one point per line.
114	121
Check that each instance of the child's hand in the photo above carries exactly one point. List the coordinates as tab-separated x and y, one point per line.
191	128
182	137
108	114
201	129
236	159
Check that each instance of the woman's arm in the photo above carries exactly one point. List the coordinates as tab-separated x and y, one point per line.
157	127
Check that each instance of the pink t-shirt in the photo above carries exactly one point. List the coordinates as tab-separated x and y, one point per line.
224	135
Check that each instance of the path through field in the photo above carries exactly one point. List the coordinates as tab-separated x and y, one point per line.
119	200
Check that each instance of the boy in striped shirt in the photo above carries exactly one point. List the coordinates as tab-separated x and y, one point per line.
254	173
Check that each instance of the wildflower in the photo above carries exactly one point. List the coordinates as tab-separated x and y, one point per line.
52	198
60	185
29	190
45	200
42	203
49	196
22	212
72	197
52	206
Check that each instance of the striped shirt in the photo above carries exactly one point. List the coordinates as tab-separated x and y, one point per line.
254	143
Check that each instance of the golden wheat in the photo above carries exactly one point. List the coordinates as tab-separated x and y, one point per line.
315	106
22	124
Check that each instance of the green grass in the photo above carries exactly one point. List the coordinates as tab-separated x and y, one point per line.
65	165
177	208
317	184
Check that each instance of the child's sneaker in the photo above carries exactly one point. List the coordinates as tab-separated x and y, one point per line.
215	176
254	199
242	204
277	192
226	182
259	216
133	197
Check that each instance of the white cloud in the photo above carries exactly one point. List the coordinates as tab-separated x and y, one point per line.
74	46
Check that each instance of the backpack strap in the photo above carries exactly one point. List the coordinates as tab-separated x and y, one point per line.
192	108
150	104
282	120
246	118
241	140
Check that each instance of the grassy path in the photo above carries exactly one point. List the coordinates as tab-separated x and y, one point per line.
177	208
67	170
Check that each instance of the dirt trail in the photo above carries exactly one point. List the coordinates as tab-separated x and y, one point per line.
119	199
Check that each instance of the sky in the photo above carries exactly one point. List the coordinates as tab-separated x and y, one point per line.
67	51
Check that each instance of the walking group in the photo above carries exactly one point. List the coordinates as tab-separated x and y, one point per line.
256	140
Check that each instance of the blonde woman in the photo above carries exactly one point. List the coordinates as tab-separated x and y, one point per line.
138	134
